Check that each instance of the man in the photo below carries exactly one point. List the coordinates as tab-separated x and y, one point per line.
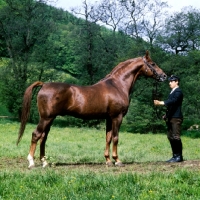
174	118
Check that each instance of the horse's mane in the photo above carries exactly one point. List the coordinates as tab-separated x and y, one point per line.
120	66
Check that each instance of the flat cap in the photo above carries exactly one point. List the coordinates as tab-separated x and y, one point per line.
173	78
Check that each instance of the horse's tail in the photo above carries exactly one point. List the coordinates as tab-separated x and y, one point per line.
26	108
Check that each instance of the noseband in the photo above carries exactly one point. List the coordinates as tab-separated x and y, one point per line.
156	75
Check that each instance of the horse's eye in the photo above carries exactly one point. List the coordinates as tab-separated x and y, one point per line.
153	64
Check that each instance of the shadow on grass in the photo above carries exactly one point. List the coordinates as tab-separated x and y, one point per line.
131	167
104	164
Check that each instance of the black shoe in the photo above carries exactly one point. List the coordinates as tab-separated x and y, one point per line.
175	158
170	160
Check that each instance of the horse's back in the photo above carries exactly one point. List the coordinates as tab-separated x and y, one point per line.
67	99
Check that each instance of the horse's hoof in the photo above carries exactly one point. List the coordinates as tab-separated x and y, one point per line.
109	164
31	166
119	164
45	164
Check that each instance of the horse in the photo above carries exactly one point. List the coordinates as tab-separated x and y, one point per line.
107	99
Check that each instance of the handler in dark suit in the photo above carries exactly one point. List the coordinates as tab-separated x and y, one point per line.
174	118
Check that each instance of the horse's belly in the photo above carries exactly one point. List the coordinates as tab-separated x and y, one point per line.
87	112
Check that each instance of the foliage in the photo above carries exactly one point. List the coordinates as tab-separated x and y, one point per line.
24	26
181	33
4	111
40	42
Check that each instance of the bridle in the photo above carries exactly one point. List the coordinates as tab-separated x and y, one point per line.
155	74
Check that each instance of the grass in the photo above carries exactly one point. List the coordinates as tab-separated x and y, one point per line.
78	168
50	184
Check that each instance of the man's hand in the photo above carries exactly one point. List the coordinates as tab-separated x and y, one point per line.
158	103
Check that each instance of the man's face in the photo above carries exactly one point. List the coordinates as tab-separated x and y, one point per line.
173	84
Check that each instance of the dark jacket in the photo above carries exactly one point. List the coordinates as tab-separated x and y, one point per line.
174	103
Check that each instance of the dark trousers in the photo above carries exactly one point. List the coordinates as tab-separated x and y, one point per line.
174	135
174	128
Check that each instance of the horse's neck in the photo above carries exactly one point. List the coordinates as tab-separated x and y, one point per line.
126	74
133	83
129	78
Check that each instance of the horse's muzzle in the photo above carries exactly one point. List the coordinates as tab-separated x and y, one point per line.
162	77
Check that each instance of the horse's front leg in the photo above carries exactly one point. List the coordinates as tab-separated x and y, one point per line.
115	138
108	141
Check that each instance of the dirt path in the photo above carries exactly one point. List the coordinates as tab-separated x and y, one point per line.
143	167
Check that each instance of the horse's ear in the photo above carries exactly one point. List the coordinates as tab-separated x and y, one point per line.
147	54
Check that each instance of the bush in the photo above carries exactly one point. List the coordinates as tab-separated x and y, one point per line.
192	134
146	127
4	111
187	123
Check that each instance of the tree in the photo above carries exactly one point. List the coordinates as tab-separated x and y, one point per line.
88	33
153	20
96	45
190	84
24	25
182	32
134	14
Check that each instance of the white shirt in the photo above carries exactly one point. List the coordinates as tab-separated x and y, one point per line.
173	89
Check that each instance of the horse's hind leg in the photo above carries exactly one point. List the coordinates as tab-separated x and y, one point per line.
42	145
38	133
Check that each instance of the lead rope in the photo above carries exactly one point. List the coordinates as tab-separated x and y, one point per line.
155	96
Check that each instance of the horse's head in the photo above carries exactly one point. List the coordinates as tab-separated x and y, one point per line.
151	69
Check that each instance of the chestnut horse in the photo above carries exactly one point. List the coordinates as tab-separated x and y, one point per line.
107	99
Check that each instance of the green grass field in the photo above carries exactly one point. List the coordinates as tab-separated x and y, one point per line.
77	167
